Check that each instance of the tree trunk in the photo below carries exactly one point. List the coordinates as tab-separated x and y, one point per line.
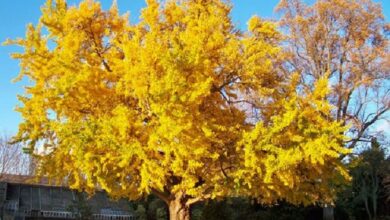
179	203
178	210
367	208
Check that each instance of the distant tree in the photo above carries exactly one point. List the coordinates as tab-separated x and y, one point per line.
386	183
12	158
80	207
217	210
158	209
180	104
141	212
367	190
151	208
348	42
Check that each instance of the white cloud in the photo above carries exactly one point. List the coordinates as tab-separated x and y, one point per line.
383	126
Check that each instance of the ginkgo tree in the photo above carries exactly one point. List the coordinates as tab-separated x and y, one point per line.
181	104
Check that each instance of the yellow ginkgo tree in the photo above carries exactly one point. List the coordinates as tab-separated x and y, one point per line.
181	104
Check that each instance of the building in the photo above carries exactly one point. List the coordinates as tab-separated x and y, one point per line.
21	198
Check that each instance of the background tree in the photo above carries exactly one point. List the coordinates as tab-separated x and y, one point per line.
365	198
150	208
12	158
348	42
161	107
80	207
367	178
386	183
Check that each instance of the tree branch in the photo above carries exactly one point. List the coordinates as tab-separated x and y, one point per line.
166	197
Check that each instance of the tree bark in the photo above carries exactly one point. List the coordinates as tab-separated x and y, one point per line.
179	210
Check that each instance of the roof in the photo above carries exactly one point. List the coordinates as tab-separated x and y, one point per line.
26	179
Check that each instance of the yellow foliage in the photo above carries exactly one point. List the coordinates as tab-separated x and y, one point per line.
164	105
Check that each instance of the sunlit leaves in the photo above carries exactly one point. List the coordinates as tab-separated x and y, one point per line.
179	102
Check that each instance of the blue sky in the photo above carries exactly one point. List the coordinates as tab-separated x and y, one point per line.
16	14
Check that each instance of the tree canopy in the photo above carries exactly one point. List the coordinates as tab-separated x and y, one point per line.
181	104
348	41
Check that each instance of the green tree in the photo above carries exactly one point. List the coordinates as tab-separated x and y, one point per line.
80	207
365	197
